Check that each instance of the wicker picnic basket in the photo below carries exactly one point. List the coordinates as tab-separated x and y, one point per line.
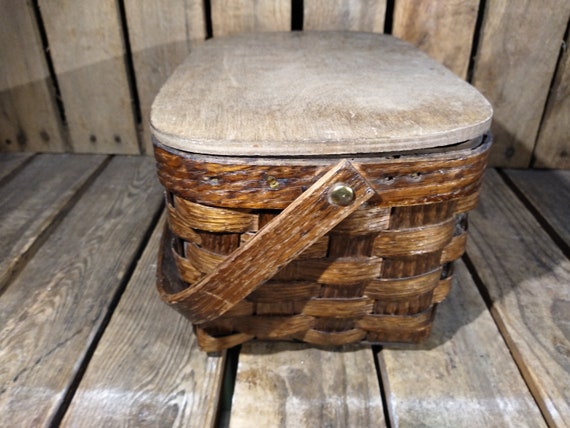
317	187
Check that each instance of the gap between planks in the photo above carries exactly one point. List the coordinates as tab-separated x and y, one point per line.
125	280
524	276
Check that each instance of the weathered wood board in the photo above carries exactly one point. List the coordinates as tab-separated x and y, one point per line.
244	16
527	278
553	144
293	385
161	35
175	383
349	15
443	30
549	192
29	118
515	62
33	200
54	308
87	48
10	162
463	375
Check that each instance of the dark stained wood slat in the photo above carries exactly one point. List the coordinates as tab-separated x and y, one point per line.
151	352
293	385
10	162
33	199
527	278
55	306
463	375
549	192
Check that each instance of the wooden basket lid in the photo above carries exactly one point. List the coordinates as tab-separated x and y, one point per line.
314	94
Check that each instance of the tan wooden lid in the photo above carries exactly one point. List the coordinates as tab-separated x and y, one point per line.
314	93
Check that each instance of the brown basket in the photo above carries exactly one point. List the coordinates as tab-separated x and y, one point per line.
282	250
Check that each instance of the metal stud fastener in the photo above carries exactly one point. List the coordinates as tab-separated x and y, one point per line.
341	194
272	183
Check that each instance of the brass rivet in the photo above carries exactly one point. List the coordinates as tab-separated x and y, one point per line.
272	182
341	194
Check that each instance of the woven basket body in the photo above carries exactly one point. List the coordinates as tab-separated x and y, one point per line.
317	187
377	276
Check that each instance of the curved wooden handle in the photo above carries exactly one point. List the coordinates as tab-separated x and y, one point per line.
297	227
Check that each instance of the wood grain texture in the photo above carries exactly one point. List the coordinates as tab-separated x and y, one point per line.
443	30
245	16
52	311
462	376
526	277
87	49
314	93
514	65
29	118
292	385
151	352
161	35
33	200
549	193
553	144
10	162
348	15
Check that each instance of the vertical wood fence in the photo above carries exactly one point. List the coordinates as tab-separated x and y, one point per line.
80	75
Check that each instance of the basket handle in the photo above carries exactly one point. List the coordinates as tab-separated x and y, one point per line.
320	208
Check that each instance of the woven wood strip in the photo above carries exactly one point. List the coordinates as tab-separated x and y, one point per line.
180	227
454	249
409	217
210	343
284	307
404	307
325	338
186	269
274	291
333	271
203	260
468	202
241	309
339	308
442	289
366	220
409	179
318	250
409	266
426	239
273	327
212	219
402	288
388	322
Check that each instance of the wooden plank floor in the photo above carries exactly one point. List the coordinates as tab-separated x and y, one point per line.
86	342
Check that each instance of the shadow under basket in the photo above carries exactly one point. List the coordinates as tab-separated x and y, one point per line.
265	248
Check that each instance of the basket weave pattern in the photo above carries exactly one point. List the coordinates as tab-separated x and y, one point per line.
376	277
